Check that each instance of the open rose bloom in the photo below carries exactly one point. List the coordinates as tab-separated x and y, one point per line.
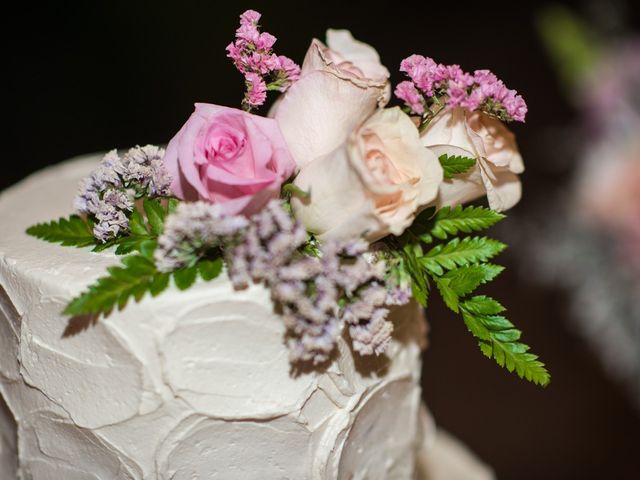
373	184
228	157
341	84
491	144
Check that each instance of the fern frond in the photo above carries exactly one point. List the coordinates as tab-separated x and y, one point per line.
459	253
455	164
73	231
450	221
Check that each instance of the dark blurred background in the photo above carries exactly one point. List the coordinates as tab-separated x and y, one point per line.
91	76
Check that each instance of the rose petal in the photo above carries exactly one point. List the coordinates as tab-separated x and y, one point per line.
359	53
321	109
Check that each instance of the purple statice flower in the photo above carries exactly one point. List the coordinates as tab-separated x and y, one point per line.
268	243
436	86
107	194
191	230
118	199
312	296
110	222
398	294
373	335
360	277
144	171
318	295
252	54
309	302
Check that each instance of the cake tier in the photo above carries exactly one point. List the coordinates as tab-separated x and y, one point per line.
193	384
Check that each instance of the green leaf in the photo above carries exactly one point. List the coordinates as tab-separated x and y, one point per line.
291	190
464	280
482	305
132	279
172	204
139	265
459	253
455	164
419	293
461	281
103	246
137	225
448	294
72	231
498	339
410	255
147	248
185	277
126	245
155	215
159	283
451	221
210	269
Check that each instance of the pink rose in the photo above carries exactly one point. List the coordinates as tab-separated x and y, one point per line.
228	157
340	86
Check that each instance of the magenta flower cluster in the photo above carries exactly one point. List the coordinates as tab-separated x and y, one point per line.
434	86
107	195
252	54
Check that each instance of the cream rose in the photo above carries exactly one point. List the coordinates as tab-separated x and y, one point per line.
373	184
340	86
498	161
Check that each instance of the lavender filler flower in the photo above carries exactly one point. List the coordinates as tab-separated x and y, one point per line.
108	193
192	230
318	295
343	286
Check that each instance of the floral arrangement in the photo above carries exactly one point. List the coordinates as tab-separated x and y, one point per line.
342	206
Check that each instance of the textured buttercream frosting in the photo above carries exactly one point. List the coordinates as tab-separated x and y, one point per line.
188	385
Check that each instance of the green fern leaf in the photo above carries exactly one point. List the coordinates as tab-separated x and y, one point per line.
459	253
449	295
450	221
464	280
72	231
499	339
132	279
210	269
455	164
185	277
137	224
411	254
126	245
482	305
155	215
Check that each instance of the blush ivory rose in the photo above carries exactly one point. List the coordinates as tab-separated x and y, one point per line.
371	185
498	161
341	84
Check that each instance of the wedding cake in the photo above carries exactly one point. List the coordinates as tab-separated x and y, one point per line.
193	384
248	303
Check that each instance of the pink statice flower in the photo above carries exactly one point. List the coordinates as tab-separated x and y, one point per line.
408	92
256	90
252	54
448	86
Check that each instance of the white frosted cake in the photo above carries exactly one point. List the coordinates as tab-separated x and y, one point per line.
194	384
